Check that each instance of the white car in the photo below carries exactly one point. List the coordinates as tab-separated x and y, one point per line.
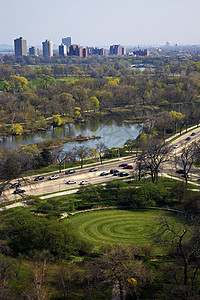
176	146
70	182
55	176
83	182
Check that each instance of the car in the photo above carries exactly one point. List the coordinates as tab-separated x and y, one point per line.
55	176
198	179
122	174
128	167
188	138
15	185
70	182
104	174
176	146
123	165
84	182
39	178
116	173
181	171
193	133
69	172
93	169
113	170
19	191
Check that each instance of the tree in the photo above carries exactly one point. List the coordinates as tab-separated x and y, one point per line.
189	155
57	120
153	155
183	243
82	152
94	103
17	129
117	268
177	117
101	147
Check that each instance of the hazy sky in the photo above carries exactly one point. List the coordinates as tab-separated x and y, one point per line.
101	23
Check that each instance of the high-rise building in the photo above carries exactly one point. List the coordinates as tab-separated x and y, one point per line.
34	51
47	48
76	50
117	50
62	50
20	47
67	41
140	52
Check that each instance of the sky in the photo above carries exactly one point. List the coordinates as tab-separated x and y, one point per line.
101	23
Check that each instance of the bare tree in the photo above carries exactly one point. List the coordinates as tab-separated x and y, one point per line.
153	155
190	154
101	147
183	242
82	152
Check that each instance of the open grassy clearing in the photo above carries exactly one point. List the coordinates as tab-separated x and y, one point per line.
118	226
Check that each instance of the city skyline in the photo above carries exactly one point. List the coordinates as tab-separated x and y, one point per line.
135	22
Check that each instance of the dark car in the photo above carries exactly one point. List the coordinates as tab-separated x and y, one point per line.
180	171
15	185
116	173
188	138
193	133
123	165
122	174
128	167
19	191
112	171
104	174
39	178
69	172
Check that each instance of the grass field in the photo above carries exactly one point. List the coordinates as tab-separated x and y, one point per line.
118	226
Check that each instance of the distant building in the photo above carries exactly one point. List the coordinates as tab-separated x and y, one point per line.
117	50
33	51
47	48
144	52
97	51
62	50
20	47
67	41
76	50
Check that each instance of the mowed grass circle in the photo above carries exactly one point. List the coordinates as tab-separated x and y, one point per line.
117	226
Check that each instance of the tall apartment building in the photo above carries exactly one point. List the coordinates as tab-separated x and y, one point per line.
47	48
20	47
67	41
78	51
117	50
144	52
62	50
97	51
33	51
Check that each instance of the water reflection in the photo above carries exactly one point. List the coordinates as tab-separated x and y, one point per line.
111	128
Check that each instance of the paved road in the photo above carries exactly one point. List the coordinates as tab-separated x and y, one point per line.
51	186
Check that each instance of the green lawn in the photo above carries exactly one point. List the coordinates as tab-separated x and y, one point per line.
118	226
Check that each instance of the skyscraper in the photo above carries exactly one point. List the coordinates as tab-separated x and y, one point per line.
117	50
47	48
33	51
67	41
62	50
20	47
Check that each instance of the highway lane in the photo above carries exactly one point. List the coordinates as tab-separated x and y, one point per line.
51	186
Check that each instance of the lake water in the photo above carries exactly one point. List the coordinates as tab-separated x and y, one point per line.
111	128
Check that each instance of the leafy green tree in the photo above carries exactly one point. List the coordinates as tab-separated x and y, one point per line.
57	121
94	103
17	129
